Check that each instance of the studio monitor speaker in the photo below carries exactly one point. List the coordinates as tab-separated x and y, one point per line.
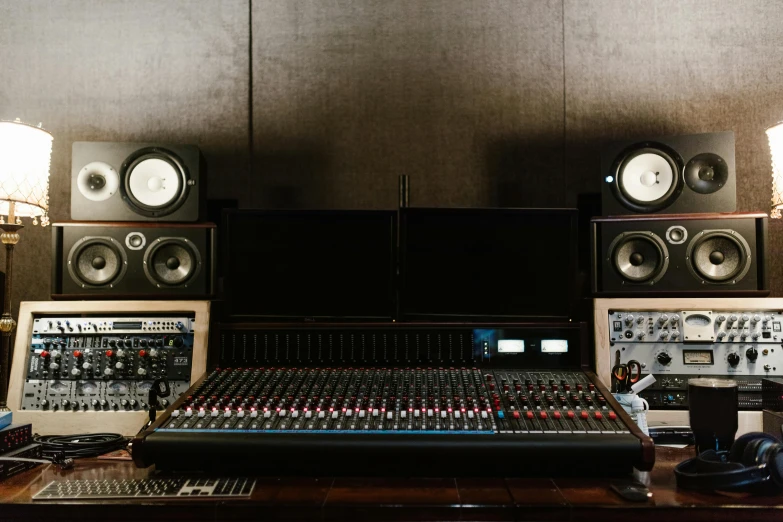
693	254
121	260
676	174
112	181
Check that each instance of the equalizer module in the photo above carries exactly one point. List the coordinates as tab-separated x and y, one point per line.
741	343
373	399
88	366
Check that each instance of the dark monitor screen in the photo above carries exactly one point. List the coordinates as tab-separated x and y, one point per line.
501	263
310	264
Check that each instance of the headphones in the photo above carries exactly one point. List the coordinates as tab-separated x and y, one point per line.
755	464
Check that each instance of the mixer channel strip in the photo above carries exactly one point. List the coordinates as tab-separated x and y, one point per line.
395	400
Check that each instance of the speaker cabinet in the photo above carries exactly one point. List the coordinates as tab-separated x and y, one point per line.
113	181
693	254
121	260
675	174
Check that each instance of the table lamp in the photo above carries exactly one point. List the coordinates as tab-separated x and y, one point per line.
25	154
775	135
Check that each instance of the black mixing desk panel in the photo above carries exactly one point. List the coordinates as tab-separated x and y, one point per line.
405	400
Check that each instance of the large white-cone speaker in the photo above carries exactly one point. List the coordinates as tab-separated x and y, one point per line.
154	183
98	181
647	178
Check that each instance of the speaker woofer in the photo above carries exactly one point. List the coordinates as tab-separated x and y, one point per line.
171	261
155	182
95	262
718	256
706	173
647	178
639	257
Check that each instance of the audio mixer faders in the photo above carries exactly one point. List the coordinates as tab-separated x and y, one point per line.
433	400
396	400
105	363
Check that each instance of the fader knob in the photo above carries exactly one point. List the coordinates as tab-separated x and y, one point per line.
733	359
664	358
752	354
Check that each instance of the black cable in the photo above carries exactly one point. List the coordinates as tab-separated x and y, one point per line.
79	446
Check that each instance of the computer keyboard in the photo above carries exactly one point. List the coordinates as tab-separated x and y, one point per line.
157	487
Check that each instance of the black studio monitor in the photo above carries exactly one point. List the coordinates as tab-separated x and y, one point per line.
114	181
488	263
309	265
671	175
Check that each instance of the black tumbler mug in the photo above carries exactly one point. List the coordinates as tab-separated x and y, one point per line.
712	404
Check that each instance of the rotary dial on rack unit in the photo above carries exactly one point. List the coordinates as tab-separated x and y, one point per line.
663	358
733	358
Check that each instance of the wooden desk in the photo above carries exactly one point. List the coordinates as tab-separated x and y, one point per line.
395	499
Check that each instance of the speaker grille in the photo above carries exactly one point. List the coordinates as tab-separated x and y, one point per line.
718	256
171	262
639	257
97	262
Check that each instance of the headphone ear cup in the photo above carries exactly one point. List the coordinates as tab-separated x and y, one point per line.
737	453
775	464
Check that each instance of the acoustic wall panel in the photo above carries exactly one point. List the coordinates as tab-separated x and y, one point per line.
464	97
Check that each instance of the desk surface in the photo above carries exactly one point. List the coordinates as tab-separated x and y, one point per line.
394	499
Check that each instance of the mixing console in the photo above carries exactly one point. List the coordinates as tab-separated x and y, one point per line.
79	363
459	400
359	418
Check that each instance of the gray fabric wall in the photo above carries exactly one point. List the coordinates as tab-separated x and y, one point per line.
323	103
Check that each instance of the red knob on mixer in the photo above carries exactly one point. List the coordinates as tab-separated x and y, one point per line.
109	353
142	353
542	415
570	414
556	414
585	415
612	415
44	354
598	415
530	415
77	353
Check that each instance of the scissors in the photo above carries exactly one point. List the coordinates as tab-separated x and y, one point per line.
624	375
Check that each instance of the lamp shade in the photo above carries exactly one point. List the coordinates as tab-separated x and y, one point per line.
25	156
775	136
